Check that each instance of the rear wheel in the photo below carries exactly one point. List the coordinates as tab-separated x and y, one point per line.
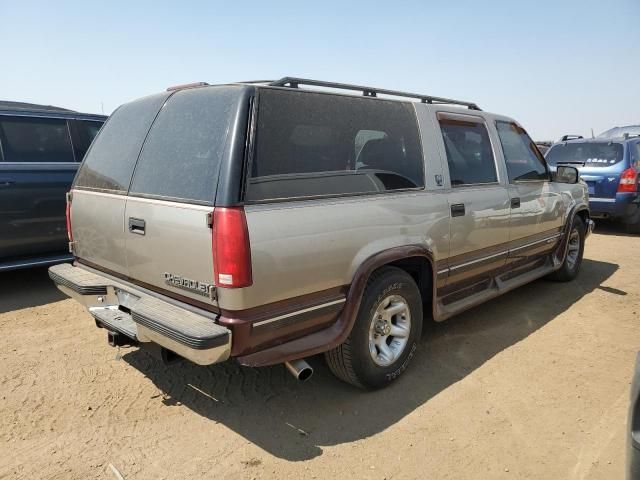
575	250
633	224
385	335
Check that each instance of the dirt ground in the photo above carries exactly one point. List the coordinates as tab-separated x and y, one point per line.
531	385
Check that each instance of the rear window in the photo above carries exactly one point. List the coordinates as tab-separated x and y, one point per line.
591	154
182	154
109	162
635	154
312	144
31	139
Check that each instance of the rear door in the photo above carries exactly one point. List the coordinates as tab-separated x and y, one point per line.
37	166
99	192
168	238
537	209
478	201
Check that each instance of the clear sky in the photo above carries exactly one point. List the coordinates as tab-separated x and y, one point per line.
557	66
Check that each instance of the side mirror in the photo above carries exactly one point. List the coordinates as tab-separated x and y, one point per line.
566	174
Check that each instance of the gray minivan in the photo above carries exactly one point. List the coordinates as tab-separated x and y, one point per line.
41	148
272	221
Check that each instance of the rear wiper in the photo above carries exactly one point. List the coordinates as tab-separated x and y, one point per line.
571	163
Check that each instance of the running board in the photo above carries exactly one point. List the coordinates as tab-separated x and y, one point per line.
499	285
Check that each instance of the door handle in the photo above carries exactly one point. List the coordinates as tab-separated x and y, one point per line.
457	210
515	202
137	225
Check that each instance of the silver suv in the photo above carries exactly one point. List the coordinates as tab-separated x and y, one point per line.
272	221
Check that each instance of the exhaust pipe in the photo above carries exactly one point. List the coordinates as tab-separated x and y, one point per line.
299	369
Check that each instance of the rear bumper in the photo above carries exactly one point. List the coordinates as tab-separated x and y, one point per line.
623	205
143	318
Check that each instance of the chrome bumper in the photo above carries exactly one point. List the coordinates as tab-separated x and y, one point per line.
144	318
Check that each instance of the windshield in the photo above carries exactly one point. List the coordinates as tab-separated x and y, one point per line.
593	154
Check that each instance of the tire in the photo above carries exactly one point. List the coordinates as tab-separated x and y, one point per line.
633	227
633	223
353	361
573	259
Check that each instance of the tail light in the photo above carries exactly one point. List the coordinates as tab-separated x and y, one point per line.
231	249
628	181
68	215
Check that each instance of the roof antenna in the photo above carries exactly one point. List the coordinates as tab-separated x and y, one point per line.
592	135
102	107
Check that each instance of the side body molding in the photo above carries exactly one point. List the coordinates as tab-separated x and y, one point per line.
338	332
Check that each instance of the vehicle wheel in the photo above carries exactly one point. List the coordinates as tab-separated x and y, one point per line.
571	266
633	227
633	224
386	332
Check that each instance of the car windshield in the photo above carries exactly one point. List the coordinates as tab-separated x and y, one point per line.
597	154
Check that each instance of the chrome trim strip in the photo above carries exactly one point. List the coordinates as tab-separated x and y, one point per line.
298	312
191	206
38	164
603	200
478	260
170	203
12	266
71	115
548	239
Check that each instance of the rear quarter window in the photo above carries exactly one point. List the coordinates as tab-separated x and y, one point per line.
313	144
87	130
110	161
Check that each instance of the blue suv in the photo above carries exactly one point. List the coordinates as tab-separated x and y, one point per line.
611	169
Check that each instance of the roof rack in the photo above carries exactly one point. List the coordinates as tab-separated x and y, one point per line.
570	137
293	82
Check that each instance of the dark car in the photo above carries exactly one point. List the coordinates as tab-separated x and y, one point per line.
40	150
611	168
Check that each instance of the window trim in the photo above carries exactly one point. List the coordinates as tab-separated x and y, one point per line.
478	119
252	143
544	162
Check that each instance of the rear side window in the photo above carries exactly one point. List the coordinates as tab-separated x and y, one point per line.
635	154
182	154
592	154
524	160
311	144
87	131
109	162
30	139
468	148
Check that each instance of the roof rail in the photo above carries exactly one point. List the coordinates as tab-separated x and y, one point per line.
294	82
570	137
